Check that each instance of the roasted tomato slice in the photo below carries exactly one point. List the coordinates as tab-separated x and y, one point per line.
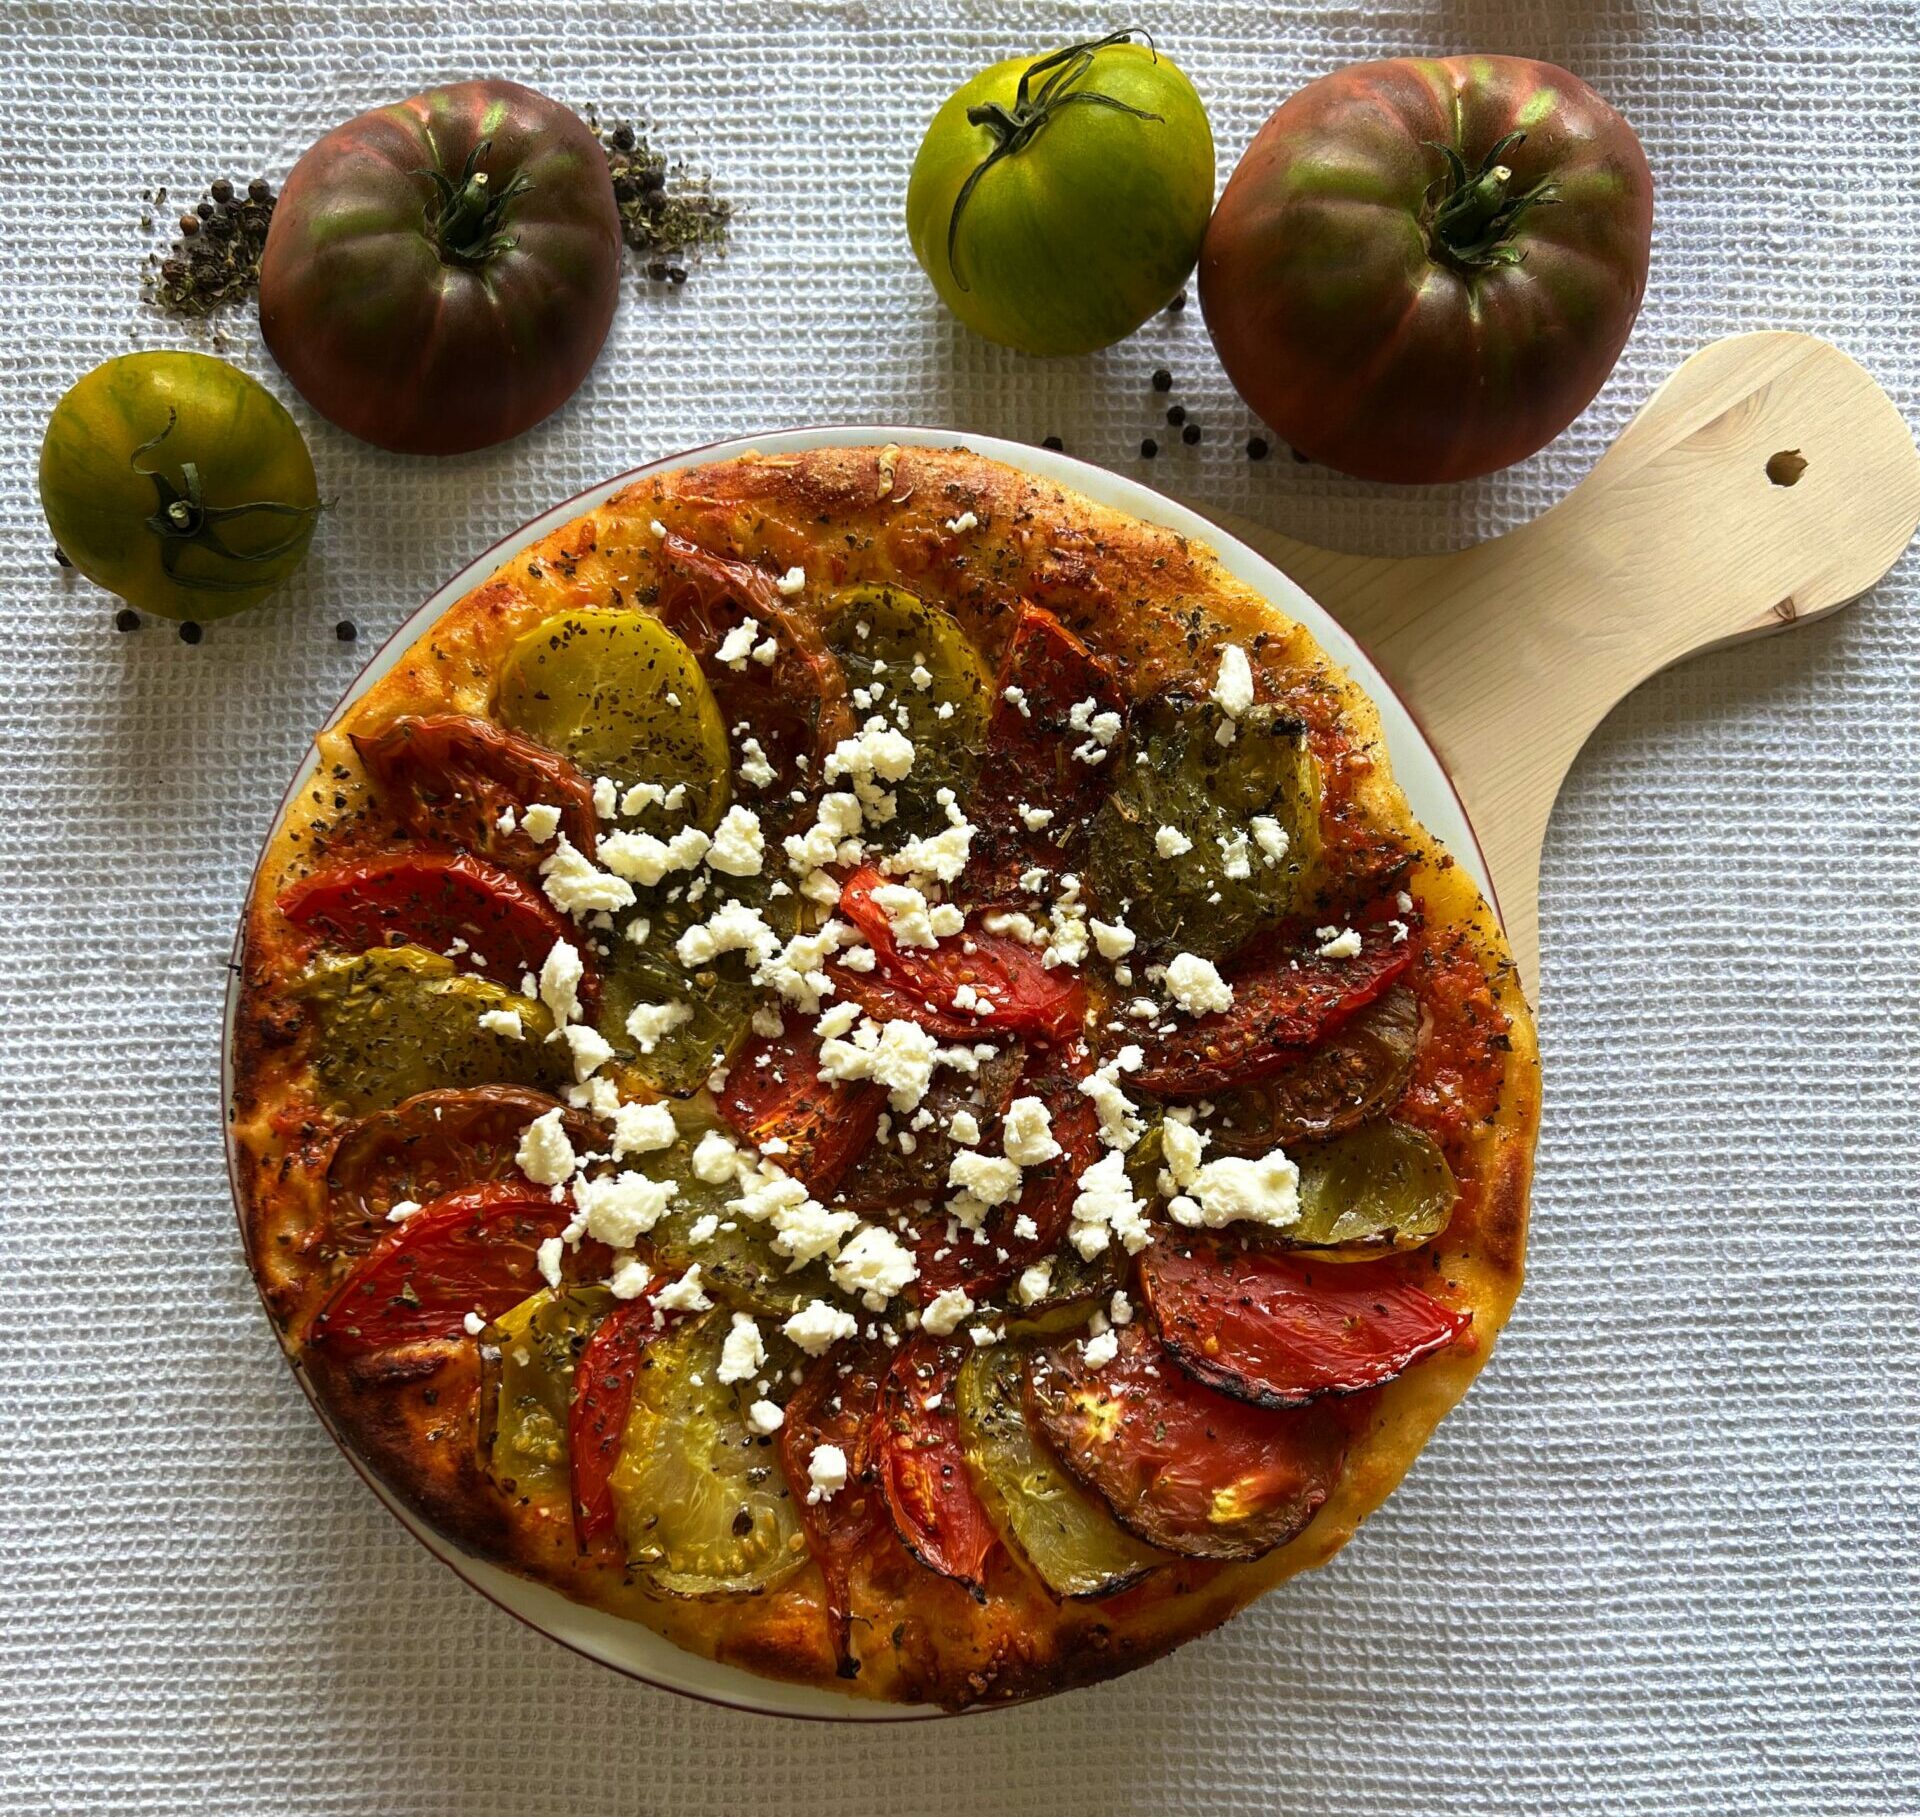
1180	1466
1279	1331
1037	756
1047	1189
838	1404
450	778
602	1400
888	1177
774	1094
1012	992
428	1146
472	1250
1357	1073
433	899
795	706
527	1371
923	1465
1286	997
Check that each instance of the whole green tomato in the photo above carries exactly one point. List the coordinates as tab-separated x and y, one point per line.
1058	203
177	482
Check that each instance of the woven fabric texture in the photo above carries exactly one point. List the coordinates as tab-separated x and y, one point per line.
1667	1556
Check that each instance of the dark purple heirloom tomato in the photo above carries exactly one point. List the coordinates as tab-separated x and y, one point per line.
1424	269
440	274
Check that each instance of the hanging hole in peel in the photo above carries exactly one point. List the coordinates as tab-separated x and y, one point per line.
1786	467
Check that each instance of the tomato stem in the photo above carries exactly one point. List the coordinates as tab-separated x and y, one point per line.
1472	214
183	519
1015	128
467	224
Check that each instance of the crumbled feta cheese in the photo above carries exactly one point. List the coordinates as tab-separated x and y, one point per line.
984	1335
641	858
964	522
737	645
734	927
946	1312
765	1418
1035	1282
503	1022
942	854
1338	942
1236	1189
753	768
1236	863
791	582
590	1050
1101	1350
683	1295
650	1023
1270	836
716	1160
643	1129
804	1229
1181	1146
606	797
1120	1308
545	1154
964	1127
743	1355
1017	699
1233	687
1170	842
989	1179
630	1278
826	1473
560	975
575	885
1035	820
1114	939
738	844
1027	1132
401	1210
620	1207
1120	1125
540	821
875	1264
547	1257
1196	986
507	821
898	1054
798	971
906	911
1105	1207
876	755
818	1326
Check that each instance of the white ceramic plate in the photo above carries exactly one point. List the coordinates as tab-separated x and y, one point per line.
627	1646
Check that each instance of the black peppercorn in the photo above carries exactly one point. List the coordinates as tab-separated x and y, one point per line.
346	630
189	225
259	190
62	557
1178	303
623	138
657	270
1053	442
1257	449
1190	434
1176	414
190	633
1149	448
1163	380
220	189
126	619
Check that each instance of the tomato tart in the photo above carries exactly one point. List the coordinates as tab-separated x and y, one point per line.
859	1060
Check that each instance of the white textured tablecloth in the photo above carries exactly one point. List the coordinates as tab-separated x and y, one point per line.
1664	1559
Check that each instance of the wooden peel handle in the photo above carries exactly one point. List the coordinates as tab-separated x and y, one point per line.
1767	482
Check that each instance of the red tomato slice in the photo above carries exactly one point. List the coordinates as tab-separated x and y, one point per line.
918	983
448	777
923	1468
1285	998
838	1404
890	1178
1182	1467
796	705
472	1250
1280	1332
428	1146
602	1399
1046	1195
433	899
1030	758
774	1092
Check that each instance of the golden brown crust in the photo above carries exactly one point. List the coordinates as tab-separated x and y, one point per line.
1159	604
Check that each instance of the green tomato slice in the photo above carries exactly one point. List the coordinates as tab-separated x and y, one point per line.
882	635
1066	1535
529	1388
1207	793
1381	1186
623	697
398	1020
701	1502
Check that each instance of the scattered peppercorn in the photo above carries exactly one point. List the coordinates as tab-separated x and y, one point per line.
1053	442
1178	304
1190	434
1163	380
1176	414
126	619
1257	449
216	258
190	633
346	630
666	214
1149	448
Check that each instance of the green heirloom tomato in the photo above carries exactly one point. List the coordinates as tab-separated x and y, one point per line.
1057	204
179	483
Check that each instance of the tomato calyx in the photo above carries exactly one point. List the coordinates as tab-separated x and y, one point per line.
467	228
184	520
1472	215
1015	128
